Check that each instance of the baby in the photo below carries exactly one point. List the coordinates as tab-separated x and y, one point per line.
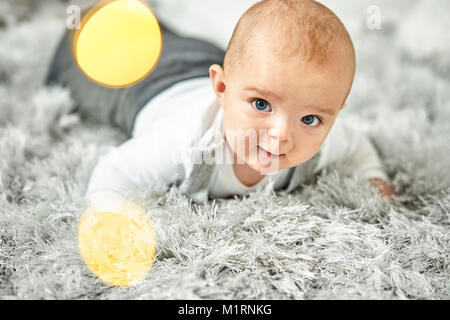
215	124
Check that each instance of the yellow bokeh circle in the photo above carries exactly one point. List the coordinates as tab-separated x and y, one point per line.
118	244
119	43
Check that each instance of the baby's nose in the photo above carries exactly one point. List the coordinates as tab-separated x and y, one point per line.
280	131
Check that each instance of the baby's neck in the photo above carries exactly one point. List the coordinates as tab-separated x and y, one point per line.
243	172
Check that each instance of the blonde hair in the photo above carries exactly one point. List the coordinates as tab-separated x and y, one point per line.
296	27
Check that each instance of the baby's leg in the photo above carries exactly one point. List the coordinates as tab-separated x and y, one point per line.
93	102
182	58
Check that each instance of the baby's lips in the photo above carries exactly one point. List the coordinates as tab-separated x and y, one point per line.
274	147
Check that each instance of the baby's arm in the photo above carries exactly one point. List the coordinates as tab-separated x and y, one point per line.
355	149
363	157
137	163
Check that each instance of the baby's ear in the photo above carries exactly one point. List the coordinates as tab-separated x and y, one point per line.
217	77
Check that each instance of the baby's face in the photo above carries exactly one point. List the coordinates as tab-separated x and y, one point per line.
290	106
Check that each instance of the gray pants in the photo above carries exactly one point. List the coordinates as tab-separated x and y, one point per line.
182	58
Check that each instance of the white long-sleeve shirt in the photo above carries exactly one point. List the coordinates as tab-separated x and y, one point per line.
183	119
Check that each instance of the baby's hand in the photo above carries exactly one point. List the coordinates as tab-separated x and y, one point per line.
385	188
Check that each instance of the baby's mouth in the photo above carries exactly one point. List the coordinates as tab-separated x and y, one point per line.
270	155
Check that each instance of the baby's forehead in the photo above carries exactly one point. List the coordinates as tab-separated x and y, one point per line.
301	47
291	79
271	56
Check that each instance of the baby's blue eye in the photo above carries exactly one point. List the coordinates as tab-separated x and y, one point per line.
261	105
311	120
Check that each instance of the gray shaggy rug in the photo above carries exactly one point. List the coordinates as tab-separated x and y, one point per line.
333	239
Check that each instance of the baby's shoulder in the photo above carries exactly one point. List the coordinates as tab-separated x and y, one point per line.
336	143
337	133
181	112
181	132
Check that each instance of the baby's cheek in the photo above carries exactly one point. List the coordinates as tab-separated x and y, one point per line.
303	153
